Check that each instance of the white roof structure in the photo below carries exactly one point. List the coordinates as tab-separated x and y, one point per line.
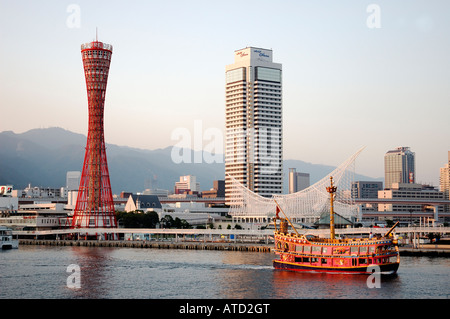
310	202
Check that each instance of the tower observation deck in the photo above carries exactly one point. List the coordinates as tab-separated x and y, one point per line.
95	206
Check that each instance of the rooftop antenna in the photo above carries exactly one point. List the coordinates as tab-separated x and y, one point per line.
96	35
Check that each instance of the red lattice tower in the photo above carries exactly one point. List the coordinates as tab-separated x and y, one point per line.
95	206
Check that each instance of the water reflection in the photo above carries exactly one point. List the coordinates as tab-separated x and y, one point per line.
291	284
93	269
40	272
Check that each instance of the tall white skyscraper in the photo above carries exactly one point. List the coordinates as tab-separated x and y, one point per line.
254	150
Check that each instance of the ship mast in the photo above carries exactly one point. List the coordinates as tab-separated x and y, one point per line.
331	190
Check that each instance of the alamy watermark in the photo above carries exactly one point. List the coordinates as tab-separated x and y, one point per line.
74	19
374	19
74	279
374	279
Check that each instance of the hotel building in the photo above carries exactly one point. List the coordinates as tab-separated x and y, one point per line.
254	150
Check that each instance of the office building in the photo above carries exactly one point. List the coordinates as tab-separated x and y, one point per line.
410	191
253	150
366	189
399	166
298	181
218	190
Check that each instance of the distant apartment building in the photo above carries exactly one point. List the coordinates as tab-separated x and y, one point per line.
253	149
187	184
399	166
218	190
73	180
39	192
444	181
298	181
156	191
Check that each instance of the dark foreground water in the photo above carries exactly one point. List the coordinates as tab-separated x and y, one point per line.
33	272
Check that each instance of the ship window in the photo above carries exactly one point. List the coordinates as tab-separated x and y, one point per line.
298	259
324	261
307	249
363	261
316	249
299	248
354	249
314	260
371	249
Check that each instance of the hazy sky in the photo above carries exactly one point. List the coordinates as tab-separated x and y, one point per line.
352	77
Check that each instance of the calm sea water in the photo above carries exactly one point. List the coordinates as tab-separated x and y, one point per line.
126	273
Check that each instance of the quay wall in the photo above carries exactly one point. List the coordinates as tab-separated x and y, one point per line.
150	244
429	250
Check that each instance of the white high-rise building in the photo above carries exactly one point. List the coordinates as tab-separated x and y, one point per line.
444	181
254	150
73	180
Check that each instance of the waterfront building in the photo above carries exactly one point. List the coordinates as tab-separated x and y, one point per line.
37	216
412	208
444	181
298	181
253	119
195	213
399	166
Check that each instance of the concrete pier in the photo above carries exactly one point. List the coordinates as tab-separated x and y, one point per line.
151	244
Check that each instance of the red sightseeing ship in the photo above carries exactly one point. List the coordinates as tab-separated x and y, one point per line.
351	255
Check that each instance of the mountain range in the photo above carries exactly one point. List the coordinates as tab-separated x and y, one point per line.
42	157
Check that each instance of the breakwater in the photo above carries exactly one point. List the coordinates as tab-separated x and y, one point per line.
151	244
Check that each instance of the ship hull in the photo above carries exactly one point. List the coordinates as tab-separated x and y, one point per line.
389	268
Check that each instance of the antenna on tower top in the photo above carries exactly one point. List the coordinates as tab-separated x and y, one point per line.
96	35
